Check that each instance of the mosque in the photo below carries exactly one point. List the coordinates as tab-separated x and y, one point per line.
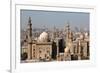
44	48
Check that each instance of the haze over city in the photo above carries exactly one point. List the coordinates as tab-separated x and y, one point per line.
49	19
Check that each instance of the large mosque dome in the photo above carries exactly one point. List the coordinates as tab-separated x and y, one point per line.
43	37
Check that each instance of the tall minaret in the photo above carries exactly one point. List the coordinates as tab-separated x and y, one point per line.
69	39
29	33
68	33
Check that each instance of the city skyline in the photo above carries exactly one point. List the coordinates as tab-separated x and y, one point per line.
50	19
45	46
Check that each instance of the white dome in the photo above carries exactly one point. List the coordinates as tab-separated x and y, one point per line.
43	37
86	34
81	36
66	49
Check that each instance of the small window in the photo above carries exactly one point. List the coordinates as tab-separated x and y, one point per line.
39	57
47	57
48	51
33	49
40	51
61	59
33	52
34	56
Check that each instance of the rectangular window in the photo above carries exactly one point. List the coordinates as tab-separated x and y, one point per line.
40	51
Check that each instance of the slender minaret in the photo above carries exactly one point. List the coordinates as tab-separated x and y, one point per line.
79	50
29	33
69	40
67	35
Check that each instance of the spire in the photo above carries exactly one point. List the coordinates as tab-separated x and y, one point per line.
29	29
68	26
68	30
68	34
29	24
29	21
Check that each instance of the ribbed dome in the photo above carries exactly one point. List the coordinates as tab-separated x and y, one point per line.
43	37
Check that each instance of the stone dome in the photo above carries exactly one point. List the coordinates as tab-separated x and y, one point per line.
86	34
43	37
81	36
66	50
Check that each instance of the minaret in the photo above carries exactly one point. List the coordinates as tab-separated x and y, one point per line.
67	53
79	50
29	33
67	35
69	39
53	34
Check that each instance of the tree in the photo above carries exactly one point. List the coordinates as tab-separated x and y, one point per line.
24	56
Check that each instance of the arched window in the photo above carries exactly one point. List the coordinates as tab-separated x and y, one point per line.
81	50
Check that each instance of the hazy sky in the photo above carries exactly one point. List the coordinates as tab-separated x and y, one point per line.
50	19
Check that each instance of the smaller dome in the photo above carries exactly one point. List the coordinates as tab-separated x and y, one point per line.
86	34
66	50
81	36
